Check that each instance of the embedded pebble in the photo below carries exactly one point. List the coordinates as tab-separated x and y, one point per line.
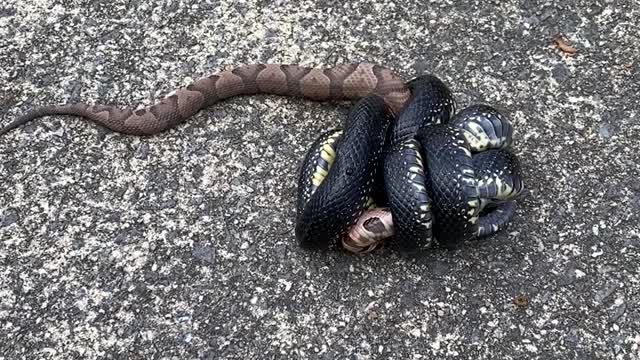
182	245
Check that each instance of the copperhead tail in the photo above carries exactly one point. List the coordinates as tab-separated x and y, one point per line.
341	82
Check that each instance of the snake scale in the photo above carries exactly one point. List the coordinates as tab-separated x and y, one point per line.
404	166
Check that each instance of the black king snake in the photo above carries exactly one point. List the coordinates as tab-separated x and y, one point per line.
426	175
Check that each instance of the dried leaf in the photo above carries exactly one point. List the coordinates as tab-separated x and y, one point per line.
521	300
563	46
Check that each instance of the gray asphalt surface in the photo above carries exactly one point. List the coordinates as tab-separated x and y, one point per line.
181	245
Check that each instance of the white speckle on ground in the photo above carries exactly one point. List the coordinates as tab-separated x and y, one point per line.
181	245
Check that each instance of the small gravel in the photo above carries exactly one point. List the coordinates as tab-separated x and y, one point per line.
181	245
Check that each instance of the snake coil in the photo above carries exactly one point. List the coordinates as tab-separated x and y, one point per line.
445	178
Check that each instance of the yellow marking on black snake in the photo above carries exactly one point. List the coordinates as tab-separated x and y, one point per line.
477	137
370	203
326	160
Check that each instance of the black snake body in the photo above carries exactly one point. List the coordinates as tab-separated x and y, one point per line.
446	178
325	213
